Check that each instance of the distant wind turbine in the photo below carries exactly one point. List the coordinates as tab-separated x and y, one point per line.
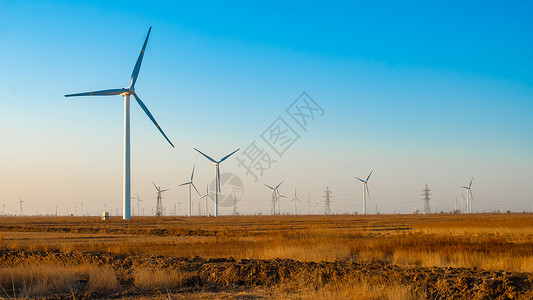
206	196
217	174
275	197
469	196
126	92
365	190
138	203
20	204
190	183
294	199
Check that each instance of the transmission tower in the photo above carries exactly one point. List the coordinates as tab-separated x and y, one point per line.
159	207
427	205
328	201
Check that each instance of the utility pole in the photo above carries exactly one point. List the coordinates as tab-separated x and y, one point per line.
81	210
328	201
427	205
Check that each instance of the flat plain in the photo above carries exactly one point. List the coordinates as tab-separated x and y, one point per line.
440	256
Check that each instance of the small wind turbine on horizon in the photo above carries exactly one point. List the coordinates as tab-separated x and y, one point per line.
138	203
126	92
20	201
190	183
275	197
217	174
207	196
365	190
294	199
469	196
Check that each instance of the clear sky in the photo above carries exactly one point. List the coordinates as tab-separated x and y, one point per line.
432	92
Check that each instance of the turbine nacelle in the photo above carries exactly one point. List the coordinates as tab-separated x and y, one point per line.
127	91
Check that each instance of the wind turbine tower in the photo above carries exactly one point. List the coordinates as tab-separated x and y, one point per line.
217	174
469	196
328	201
126	93
427	205
308	203
365	190
159	206
190	183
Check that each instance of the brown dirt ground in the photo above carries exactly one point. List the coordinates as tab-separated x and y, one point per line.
248	279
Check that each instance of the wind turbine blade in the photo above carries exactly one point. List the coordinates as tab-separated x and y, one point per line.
99	93
185	183
137	67
165	190
224	158
151	118
206	156
471	182
465	187
192	174
155	186
471	195
360	179
369	175
268	186
195	189
279	184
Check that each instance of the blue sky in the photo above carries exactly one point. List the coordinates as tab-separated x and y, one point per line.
420	92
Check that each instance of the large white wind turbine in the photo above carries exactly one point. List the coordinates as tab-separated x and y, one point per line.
190	183
126	92
217	175
469	196
365	190
275	197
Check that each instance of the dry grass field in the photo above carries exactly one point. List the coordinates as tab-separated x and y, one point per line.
479	256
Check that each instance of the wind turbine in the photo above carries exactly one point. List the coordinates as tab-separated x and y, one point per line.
138	203
217	175
469	196
190	183
295	198
206	196
275	197
20	204
365	191
159	206
126	92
